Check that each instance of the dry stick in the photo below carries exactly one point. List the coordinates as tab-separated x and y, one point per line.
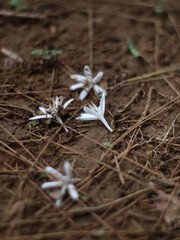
31	221
171	85
32	92
78	234
156	52
101	220
26	150
33	165
17	106
119	212
52	80
148	75
118	168
131	101
13	153
148	117
170	128
45	196
10	54
172	21
8	13
91	140
17	172
136	131
6	85
157	27
90	36
139	123
104	206
165	209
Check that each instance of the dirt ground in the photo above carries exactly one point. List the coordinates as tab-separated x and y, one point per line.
127	190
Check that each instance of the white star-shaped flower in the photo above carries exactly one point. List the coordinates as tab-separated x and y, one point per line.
65	182
53	110
87	82
95	113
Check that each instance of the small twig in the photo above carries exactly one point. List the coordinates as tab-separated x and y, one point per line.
118	168
8	13
170	128
147	75
52	80
10	54
17	106
90	35
102	207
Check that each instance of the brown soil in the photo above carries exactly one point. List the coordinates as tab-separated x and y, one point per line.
128	191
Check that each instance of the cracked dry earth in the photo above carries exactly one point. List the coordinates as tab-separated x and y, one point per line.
129	189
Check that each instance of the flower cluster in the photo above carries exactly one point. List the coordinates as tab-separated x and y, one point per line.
65	182
53	110
95	113
87	82
56	110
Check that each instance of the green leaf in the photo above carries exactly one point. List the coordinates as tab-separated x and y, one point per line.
47	57
132	49
159	9
55	52
18	4
37	52
14	3
42	176
83	198
34	123
107	144
24	6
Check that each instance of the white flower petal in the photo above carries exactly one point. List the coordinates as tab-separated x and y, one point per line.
88	73
67	103
51	184
61	122
84	93
67	169
103	120
79	78
76	86
86	117
58	202
102	104
43	110
98	77
57	103
40	117
72	192
99	89
92	112
54	172
63	191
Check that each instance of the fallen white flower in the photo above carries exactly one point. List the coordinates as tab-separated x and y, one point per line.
63	181
95	113
87	82
53	110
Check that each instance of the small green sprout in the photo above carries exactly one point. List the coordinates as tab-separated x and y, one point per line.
47	54
42	176
132	49
107	144
34	123
18	4
83	198
160	7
